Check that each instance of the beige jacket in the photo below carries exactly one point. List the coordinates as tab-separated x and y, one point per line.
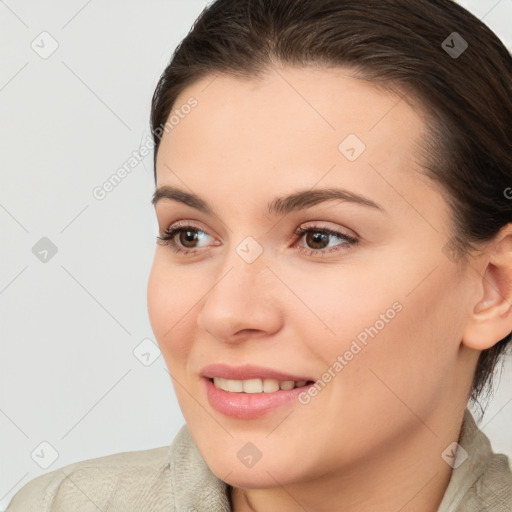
175	478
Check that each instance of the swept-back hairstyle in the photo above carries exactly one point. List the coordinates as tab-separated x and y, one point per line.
404	46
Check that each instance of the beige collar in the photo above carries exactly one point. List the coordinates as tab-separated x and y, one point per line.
483	482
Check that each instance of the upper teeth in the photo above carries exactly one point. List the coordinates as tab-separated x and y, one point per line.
255	385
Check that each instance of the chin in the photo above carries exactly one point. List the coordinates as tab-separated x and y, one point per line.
251	479
264	474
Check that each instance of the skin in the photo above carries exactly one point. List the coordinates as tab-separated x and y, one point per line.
372	438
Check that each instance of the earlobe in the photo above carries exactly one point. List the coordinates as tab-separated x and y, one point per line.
491	318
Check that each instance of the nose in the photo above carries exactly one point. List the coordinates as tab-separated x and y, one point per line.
242	303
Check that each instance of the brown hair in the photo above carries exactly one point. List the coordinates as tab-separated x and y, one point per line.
400	45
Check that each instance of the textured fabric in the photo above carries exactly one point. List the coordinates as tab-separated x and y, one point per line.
176	479
483	482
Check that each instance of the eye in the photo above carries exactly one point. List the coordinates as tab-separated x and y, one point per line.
317	240
183	238
187	237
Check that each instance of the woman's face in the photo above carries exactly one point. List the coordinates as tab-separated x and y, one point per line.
374	313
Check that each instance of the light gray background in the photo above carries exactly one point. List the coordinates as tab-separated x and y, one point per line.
69	326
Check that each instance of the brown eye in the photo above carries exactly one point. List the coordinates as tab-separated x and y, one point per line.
317	240
182	238
187	238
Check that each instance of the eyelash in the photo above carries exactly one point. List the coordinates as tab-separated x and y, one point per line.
170	234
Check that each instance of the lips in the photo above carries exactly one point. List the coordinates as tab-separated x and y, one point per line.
254	402
248	371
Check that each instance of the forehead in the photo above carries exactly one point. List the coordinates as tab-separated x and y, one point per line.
293	124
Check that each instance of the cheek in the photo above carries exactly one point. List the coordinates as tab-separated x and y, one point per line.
343	304
396	330
411	360
169	308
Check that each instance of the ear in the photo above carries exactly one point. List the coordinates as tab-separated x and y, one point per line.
491	319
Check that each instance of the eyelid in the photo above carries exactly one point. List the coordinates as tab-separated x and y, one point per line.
330	226
184	224
169	212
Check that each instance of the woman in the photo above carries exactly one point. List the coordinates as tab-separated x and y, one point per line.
333	277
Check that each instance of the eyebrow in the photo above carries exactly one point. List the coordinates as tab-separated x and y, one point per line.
278	206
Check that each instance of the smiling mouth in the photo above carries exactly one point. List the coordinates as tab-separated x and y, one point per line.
257	385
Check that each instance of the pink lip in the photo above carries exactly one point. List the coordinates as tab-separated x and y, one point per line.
248	372
248	405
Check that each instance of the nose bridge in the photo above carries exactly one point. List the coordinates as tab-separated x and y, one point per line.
246	266
243	277
241	296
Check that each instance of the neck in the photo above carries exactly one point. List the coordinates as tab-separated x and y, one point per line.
407	475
